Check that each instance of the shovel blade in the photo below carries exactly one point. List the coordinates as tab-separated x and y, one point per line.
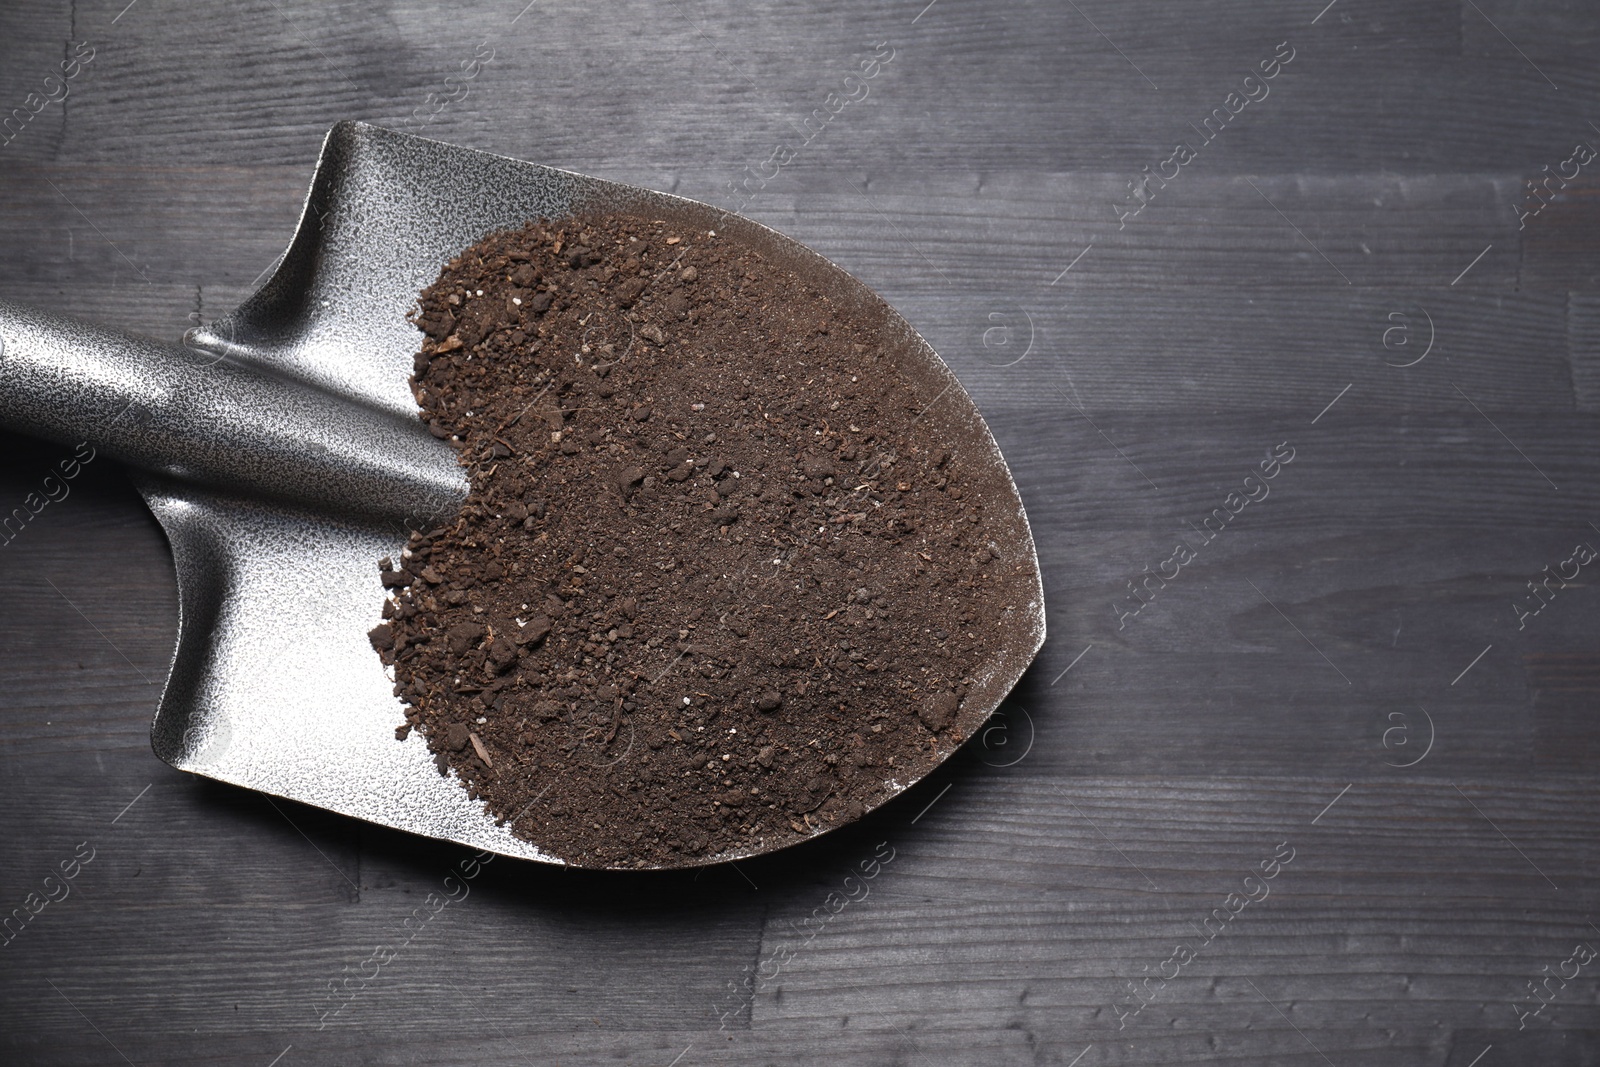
274	685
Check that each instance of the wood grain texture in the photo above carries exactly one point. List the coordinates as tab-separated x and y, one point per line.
1342	668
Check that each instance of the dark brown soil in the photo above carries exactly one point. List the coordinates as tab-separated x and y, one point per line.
717	585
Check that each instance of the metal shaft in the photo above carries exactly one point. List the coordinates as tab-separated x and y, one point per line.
215	420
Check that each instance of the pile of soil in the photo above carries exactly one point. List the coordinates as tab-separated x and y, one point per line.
717	583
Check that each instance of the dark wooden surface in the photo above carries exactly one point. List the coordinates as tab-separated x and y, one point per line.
1278	674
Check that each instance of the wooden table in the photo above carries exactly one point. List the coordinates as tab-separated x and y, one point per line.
1349	267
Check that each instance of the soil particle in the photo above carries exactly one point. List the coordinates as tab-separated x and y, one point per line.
938	711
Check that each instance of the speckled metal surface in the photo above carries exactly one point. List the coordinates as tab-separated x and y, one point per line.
280	451
197	416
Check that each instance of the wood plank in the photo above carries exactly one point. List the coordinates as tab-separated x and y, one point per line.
1015	70
33	110
1559	27
959	231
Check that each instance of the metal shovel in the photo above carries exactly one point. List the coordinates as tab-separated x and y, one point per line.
281	451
